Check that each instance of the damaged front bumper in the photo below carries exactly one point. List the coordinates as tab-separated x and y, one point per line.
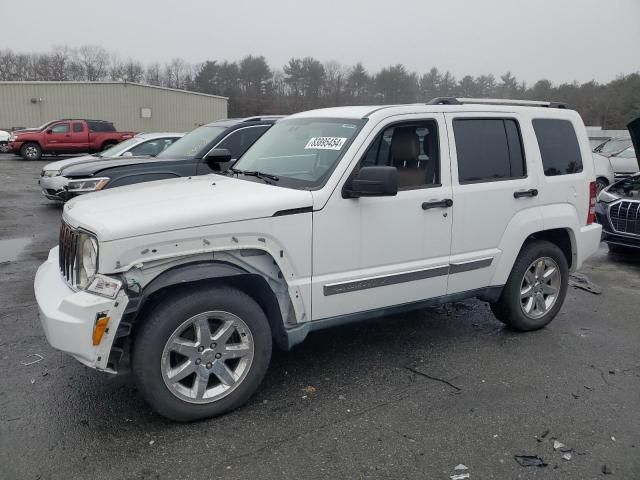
69	317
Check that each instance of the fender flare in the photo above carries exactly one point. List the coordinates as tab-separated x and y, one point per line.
212	270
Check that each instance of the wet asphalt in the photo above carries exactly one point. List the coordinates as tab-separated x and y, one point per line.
348	403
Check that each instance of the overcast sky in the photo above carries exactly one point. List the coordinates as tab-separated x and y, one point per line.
562	40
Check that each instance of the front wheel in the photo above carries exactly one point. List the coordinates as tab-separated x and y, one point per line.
536	288
31	151
4	147
201	353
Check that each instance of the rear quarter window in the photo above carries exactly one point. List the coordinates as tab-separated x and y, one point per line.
101	126
558	145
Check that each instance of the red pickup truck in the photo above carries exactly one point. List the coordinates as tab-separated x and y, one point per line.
66	136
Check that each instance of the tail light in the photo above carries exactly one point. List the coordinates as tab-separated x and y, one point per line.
593	193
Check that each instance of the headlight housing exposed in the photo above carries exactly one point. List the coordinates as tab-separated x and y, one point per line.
607	197
50	173
87	259
86	185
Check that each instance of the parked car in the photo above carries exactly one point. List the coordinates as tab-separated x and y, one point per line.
4	141
605	175
54	185
332	216
612	146
618	211
618	206
66	136
624	163
194	154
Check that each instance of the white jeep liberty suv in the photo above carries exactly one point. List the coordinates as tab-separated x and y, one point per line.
333	216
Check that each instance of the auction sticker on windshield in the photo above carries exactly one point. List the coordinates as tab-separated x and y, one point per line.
325	143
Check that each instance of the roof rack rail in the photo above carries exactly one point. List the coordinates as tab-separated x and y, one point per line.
495	101
262	118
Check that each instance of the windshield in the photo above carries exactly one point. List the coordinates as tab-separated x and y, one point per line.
613	146
302	152
628	153
119	148
192	143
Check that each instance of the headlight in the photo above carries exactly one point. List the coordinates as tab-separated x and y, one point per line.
87	185
606	197
50	173
88	259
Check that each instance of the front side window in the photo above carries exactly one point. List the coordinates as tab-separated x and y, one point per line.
192	145
240	140
559	146
301	152
488	149
410	147
60	128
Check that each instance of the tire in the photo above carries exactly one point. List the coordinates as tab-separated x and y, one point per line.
4	147
107	145
155	359
31	151
619	249
512	308
601	184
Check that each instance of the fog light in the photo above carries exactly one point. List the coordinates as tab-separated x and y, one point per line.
99	327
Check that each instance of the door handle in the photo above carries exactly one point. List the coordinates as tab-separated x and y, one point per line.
446	203
525	193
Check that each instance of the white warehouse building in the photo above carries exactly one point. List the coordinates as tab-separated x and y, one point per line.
130	106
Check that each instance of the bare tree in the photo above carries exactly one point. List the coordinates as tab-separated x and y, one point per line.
95	62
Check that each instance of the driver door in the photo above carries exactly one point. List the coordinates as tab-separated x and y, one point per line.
370	253
58	137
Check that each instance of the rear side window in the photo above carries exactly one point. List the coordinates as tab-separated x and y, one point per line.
78	127
101	126
488	149
559	146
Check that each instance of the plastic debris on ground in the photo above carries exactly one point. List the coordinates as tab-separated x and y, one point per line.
37	356
606	470
460	466
579	280
460	476
566	456
530	461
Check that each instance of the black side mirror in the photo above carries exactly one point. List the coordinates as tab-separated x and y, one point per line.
218	155
373	182
49	131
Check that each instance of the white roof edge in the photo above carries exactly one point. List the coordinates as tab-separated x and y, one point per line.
85	82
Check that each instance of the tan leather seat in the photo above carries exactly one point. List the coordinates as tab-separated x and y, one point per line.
405	150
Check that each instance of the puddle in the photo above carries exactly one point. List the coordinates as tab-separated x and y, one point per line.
12	248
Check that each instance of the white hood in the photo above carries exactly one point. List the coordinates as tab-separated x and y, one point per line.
60	164
179	203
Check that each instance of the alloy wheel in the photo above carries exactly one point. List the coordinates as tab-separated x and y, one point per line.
540	287
207	357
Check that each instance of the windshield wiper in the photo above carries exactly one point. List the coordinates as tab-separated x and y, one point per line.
254	173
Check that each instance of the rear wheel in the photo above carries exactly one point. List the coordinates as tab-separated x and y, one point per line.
201	353
31	151
536	288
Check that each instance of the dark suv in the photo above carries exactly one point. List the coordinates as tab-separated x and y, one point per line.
618	206
197	153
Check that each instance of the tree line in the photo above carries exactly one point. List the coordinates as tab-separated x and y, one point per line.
254	87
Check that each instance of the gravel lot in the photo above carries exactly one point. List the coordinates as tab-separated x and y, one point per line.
347	403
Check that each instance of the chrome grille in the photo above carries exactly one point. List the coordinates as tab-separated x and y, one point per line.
68	253
625	217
